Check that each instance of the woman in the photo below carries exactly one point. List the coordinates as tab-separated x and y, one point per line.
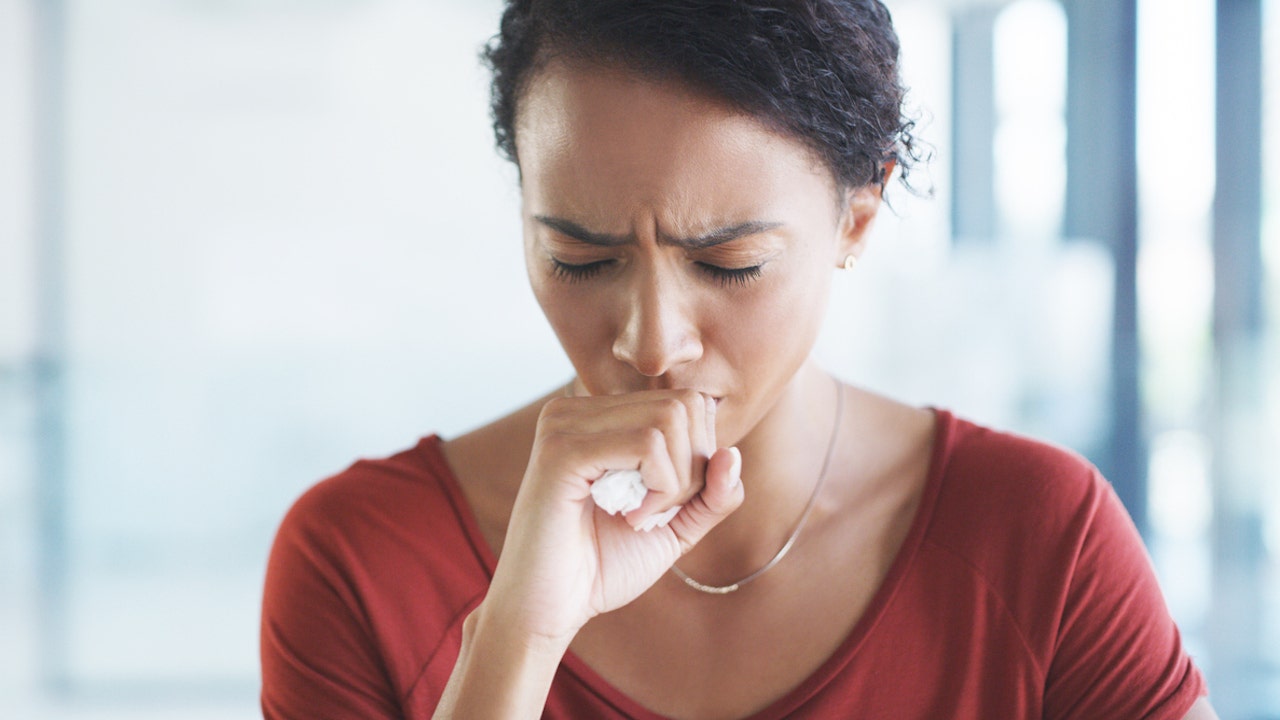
692	173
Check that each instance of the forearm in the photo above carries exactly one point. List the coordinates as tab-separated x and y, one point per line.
500	673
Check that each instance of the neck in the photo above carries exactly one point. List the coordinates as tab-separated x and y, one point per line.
782	457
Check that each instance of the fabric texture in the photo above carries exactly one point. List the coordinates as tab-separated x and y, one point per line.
1022	591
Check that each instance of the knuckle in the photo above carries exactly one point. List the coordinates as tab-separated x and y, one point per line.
554	443
653	440
551	409
672	406
675	414
690	398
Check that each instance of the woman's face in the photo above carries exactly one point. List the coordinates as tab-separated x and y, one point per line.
675	243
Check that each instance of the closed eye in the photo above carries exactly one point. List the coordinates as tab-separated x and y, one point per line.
730	276
727	277
575	273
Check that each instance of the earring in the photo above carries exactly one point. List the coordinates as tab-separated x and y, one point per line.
849	261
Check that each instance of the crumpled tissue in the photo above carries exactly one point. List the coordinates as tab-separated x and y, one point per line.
618	491
621	491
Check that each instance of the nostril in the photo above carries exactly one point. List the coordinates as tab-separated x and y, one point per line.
653	359
646	361
658	332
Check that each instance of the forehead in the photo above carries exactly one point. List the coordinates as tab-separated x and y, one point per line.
606	135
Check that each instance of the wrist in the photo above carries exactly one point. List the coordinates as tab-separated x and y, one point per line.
499	673
490	623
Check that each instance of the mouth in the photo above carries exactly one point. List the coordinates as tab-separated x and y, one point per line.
718	399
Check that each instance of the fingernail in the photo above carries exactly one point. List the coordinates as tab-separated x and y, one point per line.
735	470
658	520
665	517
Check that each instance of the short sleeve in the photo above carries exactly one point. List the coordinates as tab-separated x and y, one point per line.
1118	653
319	659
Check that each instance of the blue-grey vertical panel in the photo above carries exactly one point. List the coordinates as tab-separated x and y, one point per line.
1102	203
1238	201
50	340
973	207
1238	324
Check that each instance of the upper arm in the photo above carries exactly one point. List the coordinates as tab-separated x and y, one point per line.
1117	651
318	655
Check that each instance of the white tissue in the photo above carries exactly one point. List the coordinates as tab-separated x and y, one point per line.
621	491
618	491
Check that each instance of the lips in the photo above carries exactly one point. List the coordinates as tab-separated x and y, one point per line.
717	398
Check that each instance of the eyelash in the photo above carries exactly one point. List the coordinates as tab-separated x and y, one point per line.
724	276
731	276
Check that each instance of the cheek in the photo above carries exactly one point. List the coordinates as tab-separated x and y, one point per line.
581	322
763	342
772	332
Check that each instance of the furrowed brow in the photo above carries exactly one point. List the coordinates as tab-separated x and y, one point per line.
697	242
724	234
581	234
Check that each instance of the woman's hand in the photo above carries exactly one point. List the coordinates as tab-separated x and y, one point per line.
564	560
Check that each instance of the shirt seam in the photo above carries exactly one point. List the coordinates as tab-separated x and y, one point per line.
458	618
1003	604
1192	685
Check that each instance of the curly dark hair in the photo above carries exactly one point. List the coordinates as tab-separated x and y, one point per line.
822	71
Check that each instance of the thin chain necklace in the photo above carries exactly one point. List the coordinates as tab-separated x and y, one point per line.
804	516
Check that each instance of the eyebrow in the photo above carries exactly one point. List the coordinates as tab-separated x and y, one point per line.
705	240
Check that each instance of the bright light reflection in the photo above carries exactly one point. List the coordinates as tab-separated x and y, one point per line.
1030	47
1175	106
1176	185
1181	503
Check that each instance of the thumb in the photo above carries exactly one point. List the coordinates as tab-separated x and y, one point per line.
721	495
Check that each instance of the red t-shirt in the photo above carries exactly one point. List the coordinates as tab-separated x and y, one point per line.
1021	591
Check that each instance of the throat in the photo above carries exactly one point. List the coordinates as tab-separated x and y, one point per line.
685	654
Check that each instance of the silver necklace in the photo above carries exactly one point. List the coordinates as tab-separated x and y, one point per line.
804	516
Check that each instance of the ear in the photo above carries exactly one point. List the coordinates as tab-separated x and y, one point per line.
860	207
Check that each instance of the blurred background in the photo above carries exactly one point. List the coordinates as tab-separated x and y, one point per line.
244	243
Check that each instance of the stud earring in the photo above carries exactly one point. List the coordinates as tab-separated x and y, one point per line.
849	261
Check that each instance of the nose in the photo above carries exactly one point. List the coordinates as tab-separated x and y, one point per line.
657	333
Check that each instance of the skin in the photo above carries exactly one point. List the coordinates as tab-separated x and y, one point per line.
662	201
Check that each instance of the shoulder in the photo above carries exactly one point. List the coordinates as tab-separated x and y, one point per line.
373	498
370	571
1017	514
358	544
1010	486
1038	528
982	451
